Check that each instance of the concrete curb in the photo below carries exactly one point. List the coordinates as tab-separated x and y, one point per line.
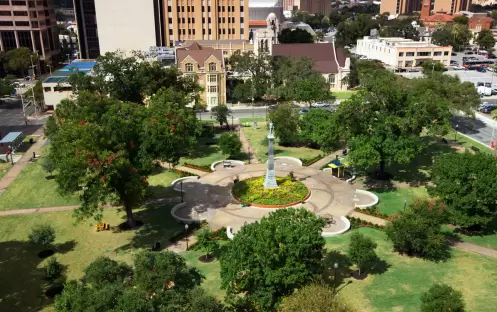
289	158
214	164
179	206
347	227
367	193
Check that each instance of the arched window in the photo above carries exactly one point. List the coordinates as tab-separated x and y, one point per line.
212	67
189	67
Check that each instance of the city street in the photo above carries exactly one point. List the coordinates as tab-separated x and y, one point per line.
480	129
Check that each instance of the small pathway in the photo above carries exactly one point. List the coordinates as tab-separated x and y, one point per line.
16	169
368	218
200	173
247	148
180	246
324	161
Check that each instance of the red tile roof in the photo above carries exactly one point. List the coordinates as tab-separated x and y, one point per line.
444	18
257	23
322	54
198	53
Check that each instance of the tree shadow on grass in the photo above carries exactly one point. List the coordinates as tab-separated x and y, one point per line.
204	148
343	270
22	284
158	226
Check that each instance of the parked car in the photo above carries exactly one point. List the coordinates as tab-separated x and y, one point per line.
303	111
480	84
491	56
488	109
481	69
453	54
468	53
320	104
459	67
271	107
454	63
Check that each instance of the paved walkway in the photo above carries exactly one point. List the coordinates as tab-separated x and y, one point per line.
200	173
247	148
368	218
324	161
15	170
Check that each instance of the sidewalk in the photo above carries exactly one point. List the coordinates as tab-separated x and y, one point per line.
13	172
324	161
368	218
247	149
185	169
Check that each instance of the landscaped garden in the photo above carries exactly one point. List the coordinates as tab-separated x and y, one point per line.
258	142
252	190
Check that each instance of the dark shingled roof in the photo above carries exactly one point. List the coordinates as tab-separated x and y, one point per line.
198	53
323	54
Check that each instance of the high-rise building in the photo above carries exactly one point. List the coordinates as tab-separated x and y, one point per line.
86	21
29	24
311	6
129	25
436	6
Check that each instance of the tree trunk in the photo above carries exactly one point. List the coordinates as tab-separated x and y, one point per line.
130	219
381	173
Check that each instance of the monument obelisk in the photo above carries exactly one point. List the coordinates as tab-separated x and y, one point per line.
270	180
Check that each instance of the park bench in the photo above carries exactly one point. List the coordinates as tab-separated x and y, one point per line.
226	164
475	149
328	219
102	226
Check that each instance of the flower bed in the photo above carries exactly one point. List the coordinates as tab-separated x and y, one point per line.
205	168
357	223
375	212
288	193
309	161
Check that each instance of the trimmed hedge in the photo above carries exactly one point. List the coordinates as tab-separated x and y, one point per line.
182	173
373	211
357	223
309	161
204	168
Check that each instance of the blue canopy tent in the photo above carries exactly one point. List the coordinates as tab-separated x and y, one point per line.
13	139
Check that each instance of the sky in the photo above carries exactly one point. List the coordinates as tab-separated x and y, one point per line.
262	3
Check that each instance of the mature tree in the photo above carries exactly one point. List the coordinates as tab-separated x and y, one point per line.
455	35
311	89
418	231
19	60
461	19
53	269
442	298
105	149
360	69
230	144
429	67
221	114
320	127
48	165
319	35
361	252
297	35
325	21
104	271
134	78
466	184
243	92
42	234
159	271
286	122
384	119
351	29
206	243
258	67
315	298
485	39
401	27
268	259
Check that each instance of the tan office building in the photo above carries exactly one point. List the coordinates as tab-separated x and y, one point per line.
311	6
129	25
29	24
410	6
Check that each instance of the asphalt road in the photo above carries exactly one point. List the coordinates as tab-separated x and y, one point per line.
249	112
480	129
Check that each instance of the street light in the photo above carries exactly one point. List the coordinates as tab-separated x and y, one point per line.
50	67
32	88
455	133
335	267
186	238
405	204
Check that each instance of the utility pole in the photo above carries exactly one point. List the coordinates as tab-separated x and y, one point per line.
33	87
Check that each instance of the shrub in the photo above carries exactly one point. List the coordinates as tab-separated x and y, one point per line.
361	251
442	298
42	234
104	271
53	269
252	190
230	144
205	168
309	161
48	164
316	298
205	241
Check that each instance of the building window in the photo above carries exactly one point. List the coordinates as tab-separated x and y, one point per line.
233	31
241	19
437	53
203	20
232	19
331	80
170	32
212	78
6	23
169	8
189	31
424	53
213	89
24	24
193	9
401	54
193	31
189	67
212	67
224	31
229	8
229	31
446	53
193	19
241	8
209	20
5	13
47	89
213	101
409	53
20	13
170	20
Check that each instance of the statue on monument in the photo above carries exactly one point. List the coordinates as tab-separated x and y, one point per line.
270	179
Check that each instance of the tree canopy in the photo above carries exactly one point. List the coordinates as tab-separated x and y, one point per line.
286	124
268	259
321	128
315	298
485	39
258	67
467	185
418	231
361	252
442	298
296	35
20	59
230	144
104	149
455	35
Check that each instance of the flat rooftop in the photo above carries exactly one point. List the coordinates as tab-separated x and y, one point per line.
76	66
398	42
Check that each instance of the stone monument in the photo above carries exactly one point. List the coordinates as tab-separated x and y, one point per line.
270	180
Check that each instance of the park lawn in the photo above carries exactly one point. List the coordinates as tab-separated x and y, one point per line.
31	190
28	137
252	119
258	143
392	200
206	152
4	167
76	245
343	95
211	271
400	287
468	142
160	183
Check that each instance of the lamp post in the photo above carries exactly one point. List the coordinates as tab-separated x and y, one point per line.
249	154
32	88
335	267
50	68
405	204
181	189
186	238
455	133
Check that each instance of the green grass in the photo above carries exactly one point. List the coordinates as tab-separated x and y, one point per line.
4	167
211	271
160	183
206	152
258	142
31	190
252	119
468	143
400	286
28	137
252	190
392	200
343	95
76	245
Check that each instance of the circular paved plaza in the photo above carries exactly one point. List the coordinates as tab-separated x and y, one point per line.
209	197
